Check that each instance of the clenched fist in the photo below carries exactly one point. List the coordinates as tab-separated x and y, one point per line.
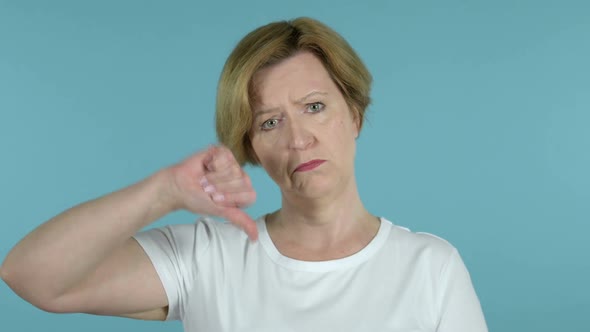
211	182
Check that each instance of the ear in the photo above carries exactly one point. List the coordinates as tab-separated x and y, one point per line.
356	118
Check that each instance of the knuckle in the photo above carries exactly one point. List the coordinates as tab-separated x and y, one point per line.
212	179
229	200
217	165
246	199
236	171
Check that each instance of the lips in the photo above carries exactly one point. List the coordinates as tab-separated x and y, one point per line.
308	166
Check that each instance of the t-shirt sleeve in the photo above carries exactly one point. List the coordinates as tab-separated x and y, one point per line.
460	309
174	251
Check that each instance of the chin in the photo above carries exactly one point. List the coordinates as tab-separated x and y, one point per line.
315	186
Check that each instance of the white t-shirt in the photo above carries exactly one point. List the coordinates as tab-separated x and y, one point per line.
216	279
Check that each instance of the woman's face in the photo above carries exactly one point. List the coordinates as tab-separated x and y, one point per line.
303	132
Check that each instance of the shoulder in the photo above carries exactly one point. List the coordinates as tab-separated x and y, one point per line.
204	226
220	234
420	246
215	228
188	238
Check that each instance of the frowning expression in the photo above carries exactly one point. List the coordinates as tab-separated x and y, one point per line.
303	132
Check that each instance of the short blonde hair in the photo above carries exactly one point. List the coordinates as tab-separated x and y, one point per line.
268	45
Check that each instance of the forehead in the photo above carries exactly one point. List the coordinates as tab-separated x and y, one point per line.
292	78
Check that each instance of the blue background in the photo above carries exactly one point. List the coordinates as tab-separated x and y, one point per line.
478	131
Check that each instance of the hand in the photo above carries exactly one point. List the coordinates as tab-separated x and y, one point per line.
211	182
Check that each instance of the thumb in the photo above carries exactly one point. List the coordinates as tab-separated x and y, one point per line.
241	219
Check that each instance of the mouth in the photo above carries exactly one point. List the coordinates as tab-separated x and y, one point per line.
308	166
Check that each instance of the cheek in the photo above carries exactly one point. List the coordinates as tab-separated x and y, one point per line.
346	143
343	129
268	140
268	156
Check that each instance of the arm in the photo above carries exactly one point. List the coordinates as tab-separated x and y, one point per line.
85	259
459	307
87	250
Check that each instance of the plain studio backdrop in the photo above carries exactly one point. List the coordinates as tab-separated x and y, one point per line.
479	129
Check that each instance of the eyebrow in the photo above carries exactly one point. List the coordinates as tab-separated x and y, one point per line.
309	95
299	101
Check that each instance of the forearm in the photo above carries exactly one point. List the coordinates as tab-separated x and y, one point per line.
63	251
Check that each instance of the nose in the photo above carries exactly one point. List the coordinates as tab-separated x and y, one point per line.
297	135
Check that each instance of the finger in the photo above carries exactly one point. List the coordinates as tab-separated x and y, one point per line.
209	154
225	173
221	158
239	200
246	177
228	152
239	197
200	158
231	186
242	220
211	183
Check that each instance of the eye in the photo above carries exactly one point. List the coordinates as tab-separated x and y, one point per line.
316	107
269	124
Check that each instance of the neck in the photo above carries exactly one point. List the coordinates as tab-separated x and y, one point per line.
320	223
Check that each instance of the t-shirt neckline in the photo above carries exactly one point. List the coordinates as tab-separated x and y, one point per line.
322	266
